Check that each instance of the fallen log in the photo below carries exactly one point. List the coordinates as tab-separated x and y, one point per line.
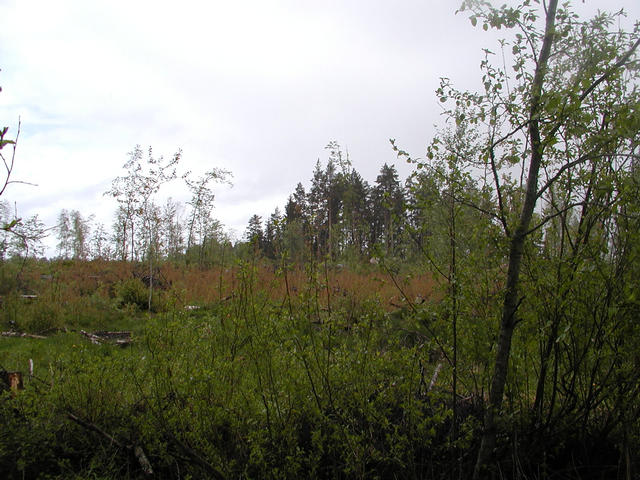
93	338
116	338
18	334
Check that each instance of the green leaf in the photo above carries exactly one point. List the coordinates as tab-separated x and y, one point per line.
8	226
474	20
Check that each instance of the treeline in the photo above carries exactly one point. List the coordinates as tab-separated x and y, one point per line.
345	218
144	228
342	217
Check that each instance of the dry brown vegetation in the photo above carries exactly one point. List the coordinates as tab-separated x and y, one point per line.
67	280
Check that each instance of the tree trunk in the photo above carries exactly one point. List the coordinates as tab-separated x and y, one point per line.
512	292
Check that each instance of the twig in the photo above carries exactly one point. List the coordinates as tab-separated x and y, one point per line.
136	450
215	473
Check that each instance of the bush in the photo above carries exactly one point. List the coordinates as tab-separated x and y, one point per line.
133	292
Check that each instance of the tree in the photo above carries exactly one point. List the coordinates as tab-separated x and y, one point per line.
355	212
100	243
27	236
173	229
317	201
30	233
120	233
387	209
297	229
561	112
73	235
8	162
273	234
254	234
554	135
201	225
80	232
325	199
134	193
65	237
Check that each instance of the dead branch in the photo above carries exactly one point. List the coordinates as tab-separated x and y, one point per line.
136	450
434	378
213	471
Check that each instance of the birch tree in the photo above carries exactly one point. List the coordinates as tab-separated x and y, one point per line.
134	193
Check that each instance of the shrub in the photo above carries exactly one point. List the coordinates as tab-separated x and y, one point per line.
133	292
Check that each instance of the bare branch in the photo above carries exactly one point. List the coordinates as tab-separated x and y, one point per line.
496	179
9	166
554	215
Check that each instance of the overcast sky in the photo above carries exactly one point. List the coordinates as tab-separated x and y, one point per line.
257	87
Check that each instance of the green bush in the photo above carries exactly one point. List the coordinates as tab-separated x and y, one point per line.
133	292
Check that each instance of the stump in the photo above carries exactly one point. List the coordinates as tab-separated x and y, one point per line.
11	381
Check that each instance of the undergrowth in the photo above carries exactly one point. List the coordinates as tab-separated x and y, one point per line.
270	382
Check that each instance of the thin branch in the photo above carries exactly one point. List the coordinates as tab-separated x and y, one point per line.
9	167
510	134
461	201
551	217
583	158
620	63
610	71
413	236
496	179
560	171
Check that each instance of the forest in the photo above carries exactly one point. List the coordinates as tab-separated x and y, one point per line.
478	319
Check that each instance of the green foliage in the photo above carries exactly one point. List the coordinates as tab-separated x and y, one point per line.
255	388
95	311
243	390
29	315
132	292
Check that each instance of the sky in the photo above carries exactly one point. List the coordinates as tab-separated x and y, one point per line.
255	87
